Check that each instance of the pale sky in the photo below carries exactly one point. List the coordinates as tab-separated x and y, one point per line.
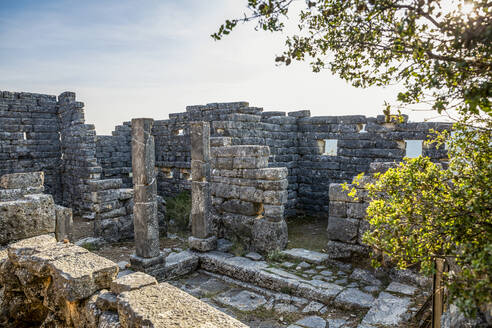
149	58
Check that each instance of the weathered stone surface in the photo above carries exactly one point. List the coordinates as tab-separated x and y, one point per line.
200	209
153	266
269	236
64	223
241	300
107	301
305	255
312	322
353	298
146	223
313	307
400	288
387	310
203	244
30	216
146	229
109	320
132	281
166	306
200	141
365	277
254	256
180	264
339	250
22	180
343	229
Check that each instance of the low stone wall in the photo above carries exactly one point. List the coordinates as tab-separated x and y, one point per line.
26	212
114	210
50	284
247	196
346	224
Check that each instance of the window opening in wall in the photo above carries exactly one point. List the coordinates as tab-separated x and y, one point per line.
168	173
331	147
413	148
185	175
130	174
179	132
362	128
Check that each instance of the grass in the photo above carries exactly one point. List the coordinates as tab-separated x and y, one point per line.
178	209
307	232
238	249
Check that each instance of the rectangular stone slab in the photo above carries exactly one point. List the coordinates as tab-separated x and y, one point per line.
22	180
164	305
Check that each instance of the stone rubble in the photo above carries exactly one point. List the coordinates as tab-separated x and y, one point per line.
55	284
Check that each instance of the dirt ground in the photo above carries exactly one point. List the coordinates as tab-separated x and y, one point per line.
121	251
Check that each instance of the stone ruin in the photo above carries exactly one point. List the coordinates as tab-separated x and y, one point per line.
247	171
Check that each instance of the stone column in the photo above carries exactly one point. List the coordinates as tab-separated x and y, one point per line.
148	257
201	200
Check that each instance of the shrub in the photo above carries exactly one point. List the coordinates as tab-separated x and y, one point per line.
178	209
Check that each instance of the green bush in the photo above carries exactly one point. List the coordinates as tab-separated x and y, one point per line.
420	212
178	209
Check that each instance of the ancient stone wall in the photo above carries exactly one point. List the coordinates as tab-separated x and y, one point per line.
29	137
346	224
334	149
114	154
79	164
316	151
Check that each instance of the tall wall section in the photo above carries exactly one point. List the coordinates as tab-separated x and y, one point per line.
333	149
29	137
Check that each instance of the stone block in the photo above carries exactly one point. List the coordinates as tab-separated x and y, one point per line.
339	250
274	213
146	229
200	171
64	223
200	141
343	229
269	236
241	207
143	151
107	301
31	216
338	209
164	305
200	209
220	141
274	197
132	281
203	244
356	210
338	193
149	265
22	180
241	151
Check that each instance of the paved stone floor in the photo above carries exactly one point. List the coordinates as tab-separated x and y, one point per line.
339	294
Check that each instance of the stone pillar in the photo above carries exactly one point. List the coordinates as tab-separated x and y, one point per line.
148	257
201	200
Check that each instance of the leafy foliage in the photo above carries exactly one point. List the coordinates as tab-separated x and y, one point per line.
178	209
441	54
420	212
